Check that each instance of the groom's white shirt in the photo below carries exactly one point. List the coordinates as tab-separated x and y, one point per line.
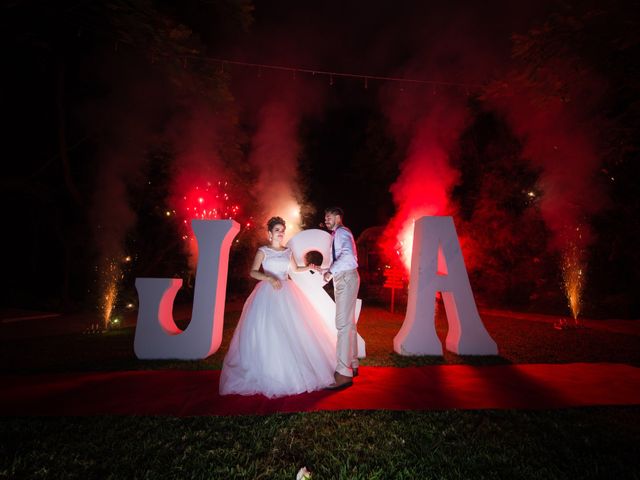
345	251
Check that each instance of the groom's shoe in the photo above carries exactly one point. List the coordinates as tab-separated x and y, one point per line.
341	382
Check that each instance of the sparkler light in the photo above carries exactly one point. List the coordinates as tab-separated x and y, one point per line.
573	277
573	267
110	296
112	274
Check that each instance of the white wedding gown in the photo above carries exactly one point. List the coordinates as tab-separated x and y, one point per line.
281	346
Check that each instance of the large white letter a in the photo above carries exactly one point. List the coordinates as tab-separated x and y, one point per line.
437	265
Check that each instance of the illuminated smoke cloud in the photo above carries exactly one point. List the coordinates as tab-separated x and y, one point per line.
275	113
462	46
427	121
122	126
459	49
200	186
274	157
426	176
408	39
560	138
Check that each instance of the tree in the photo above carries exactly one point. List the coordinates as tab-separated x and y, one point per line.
573	87
503	234
91	81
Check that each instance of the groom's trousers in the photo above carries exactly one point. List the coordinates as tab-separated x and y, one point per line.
345	289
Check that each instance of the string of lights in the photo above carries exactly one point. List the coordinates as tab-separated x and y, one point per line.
185	57
331	75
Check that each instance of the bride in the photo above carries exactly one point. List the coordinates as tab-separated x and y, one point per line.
281	346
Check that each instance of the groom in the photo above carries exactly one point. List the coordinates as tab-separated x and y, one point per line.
346	281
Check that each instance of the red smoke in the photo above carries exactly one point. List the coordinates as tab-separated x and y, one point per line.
554	111
274	157
451	46
202	186
560	138
426	175
272	107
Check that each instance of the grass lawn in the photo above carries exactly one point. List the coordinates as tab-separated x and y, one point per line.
598	442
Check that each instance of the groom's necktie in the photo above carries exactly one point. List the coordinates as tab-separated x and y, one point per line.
333	244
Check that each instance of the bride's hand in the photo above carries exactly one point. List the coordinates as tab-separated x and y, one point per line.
275	283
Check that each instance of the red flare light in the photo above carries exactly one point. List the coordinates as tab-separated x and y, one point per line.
200	199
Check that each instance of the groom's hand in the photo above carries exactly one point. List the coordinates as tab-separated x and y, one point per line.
327	276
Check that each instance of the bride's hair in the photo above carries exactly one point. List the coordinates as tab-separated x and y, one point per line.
273	221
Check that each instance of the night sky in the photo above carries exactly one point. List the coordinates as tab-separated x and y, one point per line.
119	115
